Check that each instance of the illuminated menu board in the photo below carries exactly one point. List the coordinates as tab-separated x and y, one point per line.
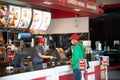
14	16
3	14
37	20
20	17
45	21
25	18
40	22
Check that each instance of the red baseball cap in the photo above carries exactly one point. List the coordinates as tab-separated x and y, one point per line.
41	40
74	36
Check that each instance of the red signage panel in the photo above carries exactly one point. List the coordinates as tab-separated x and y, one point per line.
82	64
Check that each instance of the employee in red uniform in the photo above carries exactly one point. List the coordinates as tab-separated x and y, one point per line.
77	54
38	55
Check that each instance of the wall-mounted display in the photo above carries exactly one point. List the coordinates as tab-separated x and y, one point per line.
45	21
14	16
37	20
27	37
26	16
3	15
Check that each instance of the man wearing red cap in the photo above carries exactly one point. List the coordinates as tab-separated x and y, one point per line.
39	54
77	54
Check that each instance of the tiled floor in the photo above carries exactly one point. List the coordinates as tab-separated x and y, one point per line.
114	74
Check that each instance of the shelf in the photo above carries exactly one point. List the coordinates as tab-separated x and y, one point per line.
10	50
12	36
15	41
1	42
3	47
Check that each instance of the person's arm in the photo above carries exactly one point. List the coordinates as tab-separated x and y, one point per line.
41	55
44	56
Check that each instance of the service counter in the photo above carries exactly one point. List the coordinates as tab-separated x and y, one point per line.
63	72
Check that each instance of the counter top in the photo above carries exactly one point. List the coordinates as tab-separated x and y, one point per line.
19	70
56	73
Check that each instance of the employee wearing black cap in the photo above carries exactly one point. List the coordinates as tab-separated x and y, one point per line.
77	54
38	55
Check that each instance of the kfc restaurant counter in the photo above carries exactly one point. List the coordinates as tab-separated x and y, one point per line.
63	72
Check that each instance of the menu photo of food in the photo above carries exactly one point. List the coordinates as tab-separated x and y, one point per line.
37	19
46	21
14	16
3	15
25	18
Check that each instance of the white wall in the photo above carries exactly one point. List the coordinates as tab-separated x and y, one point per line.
112	1
68	25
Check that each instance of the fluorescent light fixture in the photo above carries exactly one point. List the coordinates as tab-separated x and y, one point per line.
76	9
48	3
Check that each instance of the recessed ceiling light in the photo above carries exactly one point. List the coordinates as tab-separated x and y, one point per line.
48	3
76	9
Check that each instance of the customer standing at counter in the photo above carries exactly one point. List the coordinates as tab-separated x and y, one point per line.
38	55
77	54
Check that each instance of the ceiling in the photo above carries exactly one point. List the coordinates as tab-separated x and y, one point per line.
59	7
107	26
106	9
111	10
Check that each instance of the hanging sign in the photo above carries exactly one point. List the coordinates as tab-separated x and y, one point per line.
105	60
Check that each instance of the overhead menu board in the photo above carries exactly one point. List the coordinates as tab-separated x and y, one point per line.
3	15
37	20
45	21
40	22
26	16
14	16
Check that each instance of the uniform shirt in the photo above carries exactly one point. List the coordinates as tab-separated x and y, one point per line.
77	54
38	49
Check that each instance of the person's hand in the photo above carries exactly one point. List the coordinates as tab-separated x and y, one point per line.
71	62
51	57
67	62
61	50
